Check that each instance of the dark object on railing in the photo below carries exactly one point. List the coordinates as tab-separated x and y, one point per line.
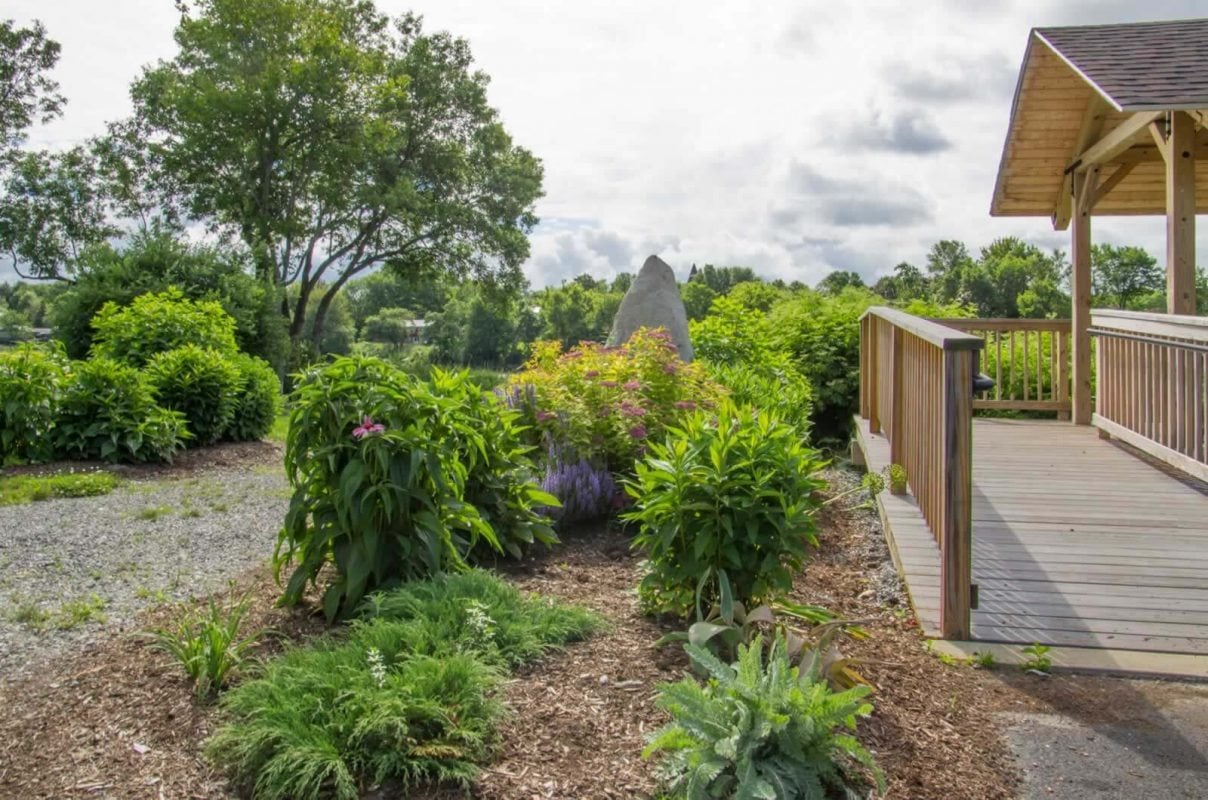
982	383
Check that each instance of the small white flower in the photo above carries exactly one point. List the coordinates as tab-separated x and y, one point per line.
478	620
377	666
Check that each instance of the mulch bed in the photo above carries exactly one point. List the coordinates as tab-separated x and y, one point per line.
119	720
225	455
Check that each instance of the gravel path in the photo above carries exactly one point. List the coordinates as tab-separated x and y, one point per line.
73	570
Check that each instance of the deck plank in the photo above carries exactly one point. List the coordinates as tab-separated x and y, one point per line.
1077	541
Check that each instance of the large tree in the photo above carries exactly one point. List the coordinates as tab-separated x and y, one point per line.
332	139
27	92
53	208
1121	275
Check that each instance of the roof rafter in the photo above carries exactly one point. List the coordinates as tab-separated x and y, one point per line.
1092	124
1114	143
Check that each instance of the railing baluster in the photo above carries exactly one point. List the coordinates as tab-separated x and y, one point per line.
1152	377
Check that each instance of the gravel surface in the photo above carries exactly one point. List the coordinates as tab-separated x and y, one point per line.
72	570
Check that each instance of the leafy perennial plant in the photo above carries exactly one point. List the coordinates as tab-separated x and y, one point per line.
731	493
761	730
394	478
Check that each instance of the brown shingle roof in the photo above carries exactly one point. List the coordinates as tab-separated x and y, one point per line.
1139	65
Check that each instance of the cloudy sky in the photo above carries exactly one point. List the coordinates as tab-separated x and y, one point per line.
791	137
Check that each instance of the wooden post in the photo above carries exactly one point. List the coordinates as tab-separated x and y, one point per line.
896	437
1180	215
865	323
1080	289
956	515
874	415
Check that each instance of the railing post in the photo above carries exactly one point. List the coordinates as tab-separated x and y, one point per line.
874	412
956	517
865	366
896	398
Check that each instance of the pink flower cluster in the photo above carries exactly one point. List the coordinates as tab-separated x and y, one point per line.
630	410
367	428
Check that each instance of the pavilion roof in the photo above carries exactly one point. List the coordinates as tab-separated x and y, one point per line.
1077	85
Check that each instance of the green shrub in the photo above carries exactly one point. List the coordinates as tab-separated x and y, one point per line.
733	334
108	411
257	400
501	480
200	384
18	489
382	466
782	391
157	323
742	353
821	333
154	261
208	645
728	493
603	403
31	383
407	697
761	730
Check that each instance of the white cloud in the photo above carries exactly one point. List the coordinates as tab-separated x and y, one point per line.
675	127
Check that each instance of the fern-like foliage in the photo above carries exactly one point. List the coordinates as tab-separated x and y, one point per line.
757	730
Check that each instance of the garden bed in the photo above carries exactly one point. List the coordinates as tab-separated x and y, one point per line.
117	719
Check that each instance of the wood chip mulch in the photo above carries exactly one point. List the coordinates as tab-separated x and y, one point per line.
119	721
225	455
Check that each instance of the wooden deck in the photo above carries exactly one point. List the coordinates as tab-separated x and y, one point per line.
1077	541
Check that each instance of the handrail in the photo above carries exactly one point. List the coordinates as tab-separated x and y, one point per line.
1029	360
934	333
916	388
1152	388
1177	326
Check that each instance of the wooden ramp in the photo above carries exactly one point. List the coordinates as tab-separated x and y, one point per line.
1077	541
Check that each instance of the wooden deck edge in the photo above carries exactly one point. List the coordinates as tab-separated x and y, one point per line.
927	625
1172	457
1128	663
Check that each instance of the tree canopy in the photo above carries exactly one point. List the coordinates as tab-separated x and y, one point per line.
330	139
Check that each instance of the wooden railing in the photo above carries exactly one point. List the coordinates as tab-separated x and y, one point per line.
916	387
1029	360
1152	387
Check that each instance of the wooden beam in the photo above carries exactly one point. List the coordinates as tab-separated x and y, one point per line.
1104	188
1180	216
1161	138
1092	124
1080	318
1117	141
1087	197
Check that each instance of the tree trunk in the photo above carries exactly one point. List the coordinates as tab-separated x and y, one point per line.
297	322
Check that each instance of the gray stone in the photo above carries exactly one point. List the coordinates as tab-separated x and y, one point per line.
653	301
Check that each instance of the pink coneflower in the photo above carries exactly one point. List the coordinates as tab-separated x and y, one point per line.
367	427
609	384
591	373
686	405
632	386
545	416
670	368
638	431
632	410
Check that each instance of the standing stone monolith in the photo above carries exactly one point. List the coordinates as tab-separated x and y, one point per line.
653	301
